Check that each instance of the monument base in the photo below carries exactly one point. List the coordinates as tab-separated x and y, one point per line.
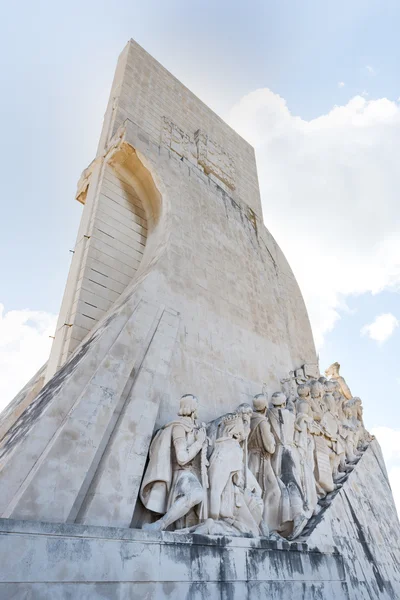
59	561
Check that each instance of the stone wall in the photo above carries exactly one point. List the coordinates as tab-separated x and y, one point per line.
363	525
89	562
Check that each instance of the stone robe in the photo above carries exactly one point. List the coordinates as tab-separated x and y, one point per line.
261	445
286	465
164	477
306	447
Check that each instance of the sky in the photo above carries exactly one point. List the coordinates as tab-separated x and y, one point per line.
313	85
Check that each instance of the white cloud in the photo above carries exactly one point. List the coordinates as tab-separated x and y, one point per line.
381	328
24	348
341	84
389	440
330	195
370	70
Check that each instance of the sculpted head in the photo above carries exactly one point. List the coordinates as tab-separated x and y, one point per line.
358	406
347	410
331	385
333	370
245	411
303	390
316	389
233	426
323	381
188	406
260	403
338	397
354	405
330	402
278	399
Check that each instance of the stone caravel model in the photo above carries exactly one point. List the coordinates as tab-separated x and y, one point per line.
178	291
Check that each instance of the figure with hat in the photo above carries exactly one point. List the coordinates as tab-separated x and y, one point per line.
261	445
286	465
171	485
235	496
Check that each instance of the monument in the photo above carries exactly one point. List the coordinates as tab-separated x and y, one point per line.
181	441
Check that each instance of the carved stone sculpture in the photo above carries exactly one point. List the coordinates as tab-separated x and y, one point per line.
331	426
261	445
286	466
333	373
305	429
323	468
333	387
354	415
260	470
350	432
303	393
235	496
171	484
317	404
364	436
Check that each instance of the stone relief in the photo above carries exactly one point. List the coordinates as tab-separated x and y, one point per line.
201	151
172	482
262	470
214	159
177	140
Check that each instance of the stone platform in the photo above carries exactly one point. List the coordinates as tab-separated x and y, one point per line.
44	561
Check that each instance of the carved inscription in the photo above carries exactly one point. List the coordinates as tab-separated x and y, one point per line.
214	159
200	150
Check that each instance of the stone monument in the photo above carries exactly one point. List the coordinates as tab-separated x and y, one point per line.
181	441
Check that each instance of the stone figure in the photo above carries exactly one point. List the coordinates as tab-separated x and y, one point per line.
331	426
305	429
317	461
333	387
261	445
171	484
303	395
354	419
235	496
333	373
286	465
317	404
246	411
323	381
364	436
213	428
350	432
260	470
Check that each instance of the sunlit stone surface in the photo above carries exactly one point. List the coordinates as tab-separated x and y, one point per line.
181	441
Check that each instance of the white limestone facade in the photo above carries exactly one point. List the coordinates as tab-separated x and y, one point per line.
176	288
